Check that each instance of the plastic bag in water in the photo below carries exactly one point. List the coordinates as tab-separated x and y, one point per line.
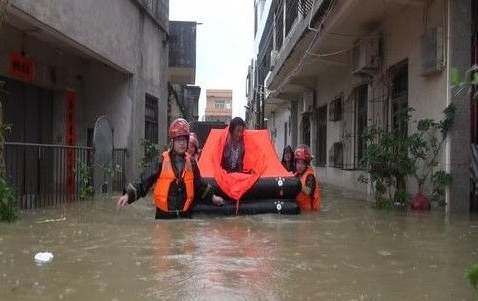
43	257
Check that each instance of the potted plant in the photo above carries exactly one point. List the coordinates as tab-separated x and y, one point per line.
424	149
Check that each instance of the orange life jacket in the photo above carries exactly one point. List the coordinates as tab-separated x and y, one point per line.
166	178
312	201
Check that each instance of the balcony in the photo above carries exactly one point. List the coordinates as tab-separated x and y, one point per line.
182	52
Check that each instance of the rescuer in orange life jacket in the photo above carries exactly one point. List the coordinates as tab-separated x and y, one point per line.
176	177
309	196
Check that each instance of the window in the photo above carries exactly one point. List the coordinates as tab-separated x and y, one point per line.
285	134
151	119
322	136
219	104
292	8
361	108
399	74
336	156
306	130
335	109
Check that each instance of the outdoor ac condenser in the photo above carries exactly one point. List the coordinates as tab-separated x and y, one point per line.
431	51
308	102
365	57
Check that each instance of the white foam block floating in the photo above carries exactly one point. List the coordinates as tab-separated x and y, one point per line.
43	257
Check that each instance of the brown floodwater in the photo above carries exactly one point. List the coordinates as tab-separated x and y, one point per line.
349	251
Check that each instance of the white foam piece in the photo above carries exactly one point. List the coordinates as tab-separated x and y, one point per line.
43	257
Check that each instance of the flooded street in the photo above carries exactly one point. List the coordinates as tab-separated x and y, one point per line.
347	252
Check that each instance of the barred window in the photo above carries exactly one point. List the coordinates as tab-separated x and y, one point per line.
151	119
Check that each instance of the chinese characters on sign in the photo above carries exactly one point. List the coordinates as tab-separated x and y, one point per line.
21	67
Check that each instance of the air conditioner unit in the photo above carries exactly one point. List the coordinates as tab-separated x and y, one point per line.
365	57
308	102
431	51
274	58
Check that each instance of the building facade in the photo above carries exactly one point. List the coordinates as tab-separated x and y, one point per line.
326	70
183	97
67	63
218	105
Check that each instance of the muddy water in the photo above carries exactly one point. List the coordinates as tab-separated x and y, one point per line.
347	252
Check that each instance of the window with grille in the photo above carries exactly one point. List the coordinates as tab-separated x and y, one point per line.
151	119
335	109
336	155
220	104
322	136
361	108
306	130
399	75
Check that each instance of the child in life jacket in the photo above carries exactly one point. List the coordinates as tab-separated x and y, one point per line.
309	196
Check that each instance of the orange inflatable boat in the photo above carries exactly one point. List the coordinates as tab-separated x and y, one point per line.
267	187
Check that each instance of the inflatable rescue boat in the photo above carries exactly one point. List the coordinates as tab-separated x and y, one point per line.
267	187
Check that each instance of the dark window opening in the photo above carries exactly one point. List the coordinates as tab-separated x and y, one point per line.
151	119
336	156
322	136
335	109
361	108
306	130
399	96
285	134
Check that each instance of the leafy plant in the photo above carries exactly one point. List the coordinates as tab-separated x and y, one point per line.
391	156
440	180
8	210
151	151
471	274
387	163
424	148
85	176
468	84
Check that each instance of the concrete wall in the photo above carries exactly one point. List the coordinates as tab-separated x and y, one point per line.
276	124
458	149
86	22
112	53
150	77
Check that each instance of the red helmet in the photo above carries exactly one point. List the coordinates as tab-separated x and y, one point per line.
302	152
193	140
178	128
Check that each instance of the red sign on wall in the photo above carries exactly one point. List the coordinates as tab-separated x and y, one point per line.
21	67
70	139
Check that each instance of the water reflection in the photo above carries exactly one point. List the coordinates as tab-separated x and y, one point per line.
229	262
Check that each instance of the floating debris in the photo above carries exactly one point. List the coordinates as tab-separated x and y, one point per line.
43	257
384	253
52	220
